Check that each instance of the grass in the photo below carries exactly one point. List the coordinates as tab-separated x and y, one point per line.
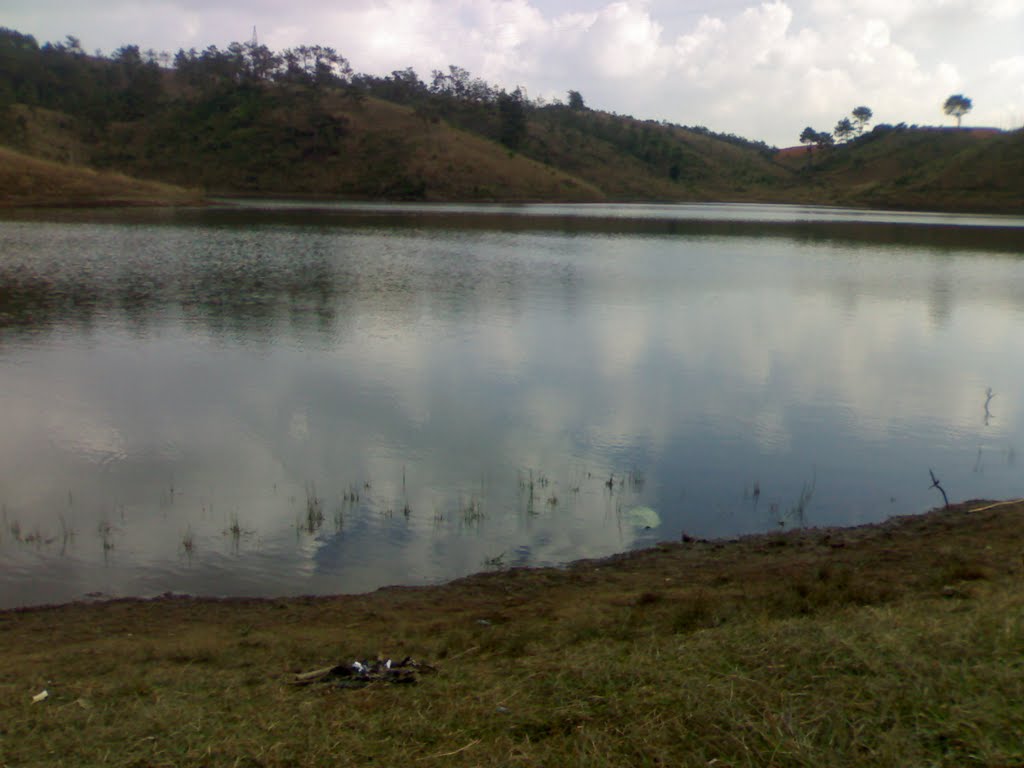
897	644
234	528
314	518
471	511
30	181
106	533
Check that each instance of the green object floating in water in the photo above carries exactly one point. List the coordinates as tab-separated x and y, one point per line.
641	517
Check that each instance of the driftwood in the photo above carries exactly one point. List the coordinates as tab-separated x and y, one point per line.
360	673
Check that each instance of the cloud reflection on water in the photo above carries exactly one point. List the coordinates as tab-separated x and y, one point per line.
176	379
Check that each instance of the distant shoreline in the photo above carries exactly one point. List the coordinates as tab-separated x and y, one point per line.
187	198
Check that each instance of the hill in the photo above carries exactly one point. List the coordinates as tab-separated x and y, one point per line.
26	180
631	159
901	167
280	143
248	121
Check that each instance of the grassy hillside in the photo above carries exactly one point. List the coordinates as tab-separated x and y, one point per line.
982	172
369	148
246	120
280	144
899	644
939	168
631	159
26	180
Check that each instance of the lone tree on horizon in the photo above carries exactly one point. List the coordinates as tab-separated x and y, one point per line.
843	130
957	105
862	115
809	136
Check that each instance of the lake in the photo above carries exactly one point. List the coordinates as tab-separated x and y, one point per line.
280	398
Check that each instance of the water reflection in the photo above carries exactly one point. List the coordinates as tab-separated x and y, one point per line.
291	403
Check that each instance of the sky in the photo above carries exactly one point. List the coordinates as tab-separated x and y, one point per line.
759	70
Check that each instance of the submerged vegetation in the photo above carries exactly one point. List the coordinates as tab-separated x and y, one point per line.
314	510
894	644
359	510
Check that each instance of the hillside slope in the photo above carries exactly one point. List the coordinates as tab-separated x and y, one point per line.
26	180
282	143
279	145
899	167
631	159
279	142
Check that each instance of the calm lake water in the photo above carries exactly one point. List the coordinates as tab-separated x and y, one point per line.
277	398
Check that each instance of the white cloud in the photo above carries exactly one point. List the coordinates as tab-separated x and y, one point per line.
1012	67
623	42
876	33
1007	76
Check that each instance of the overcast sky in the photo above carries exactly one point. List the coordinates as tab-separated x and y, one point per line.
761	70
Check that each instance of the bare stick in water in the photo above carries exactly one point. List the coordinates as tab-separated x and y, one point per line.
935	484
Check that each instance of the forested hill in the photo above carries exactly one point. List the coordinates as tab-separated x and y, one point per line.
247	120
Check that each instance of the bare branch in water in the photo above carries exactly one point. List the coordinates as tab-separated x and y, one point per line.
935	484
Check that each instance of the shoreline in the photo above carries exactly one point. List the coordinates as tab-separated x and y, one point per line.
193	198
895	643
818	541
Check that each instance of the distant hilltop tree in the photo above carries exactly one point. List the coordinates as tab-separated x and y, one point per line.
512	113
844	129
862	116
809	136
957	105
820	139
576	101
